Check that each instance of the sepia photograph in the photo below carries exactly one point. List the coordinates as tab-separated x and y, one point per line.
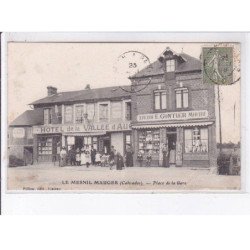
153	117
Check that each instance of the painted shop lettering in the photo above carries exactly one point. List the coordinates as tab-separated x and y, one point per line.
82	128
182	115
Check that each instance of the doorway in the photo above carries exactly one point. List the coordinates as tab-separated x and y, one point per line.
171	137
78	142
104	144
28	155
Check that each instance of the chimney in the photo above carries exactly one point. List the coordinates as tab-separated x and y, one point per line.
51	90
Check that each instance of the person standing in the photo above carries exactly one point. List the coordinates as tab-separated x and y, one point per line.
87	158
129	156
83	157
140	158
93	155
112	157
120	162
63	155
149	158
165	155
72	156
78	157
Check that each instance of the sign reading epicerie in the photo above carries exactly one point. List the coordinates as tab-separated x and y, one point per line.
84	128
169	116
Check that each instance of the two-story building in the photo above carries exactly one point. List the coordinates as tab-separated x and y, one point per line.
171	105
94	117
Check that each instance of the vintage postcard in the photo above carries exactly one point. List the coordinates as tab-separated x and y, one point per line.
123	116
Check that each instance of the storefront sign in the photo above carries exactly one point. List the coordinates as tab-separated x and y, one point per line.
18	132
82	128
169	116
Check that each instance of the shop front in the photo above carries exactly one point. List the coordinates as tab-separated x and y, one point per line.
51	138
190	142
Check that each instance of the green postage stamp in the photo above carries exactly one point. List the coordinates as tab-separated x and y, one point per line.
219	65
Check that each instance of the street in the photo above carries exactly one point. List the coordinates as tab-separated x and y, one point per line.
48	177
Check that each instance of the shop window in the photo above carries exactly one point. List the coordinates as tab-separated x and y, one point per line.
196	140
149	140
90	110
103	112
181	96
160	100
44	145
79	113
128	113
89	141
68	114
128	139
116	110
47	114
94	142
170	65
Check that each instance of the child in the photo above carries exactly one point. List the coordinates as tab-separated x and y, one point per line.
140	158
83	157
103	160
98	159
87	158
149	159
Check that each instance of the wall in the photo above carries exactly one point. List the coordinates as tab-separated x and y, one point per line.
200	95
16	145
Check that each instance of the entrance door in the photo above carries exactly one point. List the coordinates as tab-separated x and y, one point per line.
78	142
106	145
172	147
28	155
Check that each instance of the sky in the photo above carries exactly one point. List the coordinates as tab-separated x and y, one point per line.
71	66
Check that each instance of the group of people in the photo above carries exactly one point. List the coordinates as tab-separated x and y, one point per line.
165	159
87	157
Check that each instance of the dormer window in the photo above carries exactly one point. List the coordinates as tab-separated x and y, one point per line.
170	65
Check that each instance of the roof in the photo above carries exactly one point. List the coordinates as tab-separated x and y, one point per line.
29	118
86	95
187	64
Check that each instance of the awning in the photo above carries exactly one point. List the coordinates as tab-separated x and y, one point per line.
187	124
84	134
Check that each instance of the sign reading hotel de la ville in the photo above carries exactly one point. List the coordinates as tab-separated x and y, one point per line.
81	128
171	116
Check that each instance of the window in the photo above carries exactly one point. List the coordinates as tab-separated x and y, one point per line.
160	99
128	139
196	140
90	110
103	112
149	140
47	114
79	113
181	96
170	65
128	111
68	114
116	110
89	141
58	113
44	145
